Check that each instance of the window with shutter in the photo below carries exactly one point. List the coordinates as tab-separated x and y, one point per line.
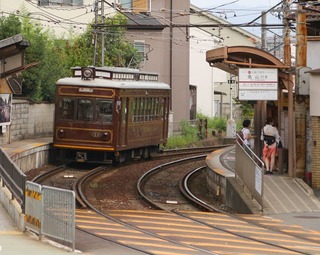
135	5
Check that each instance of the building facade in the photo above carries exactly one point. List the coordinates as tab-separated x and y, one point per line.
213	85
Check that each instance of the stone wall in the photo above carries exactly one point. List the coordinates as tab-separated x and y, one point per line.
28	120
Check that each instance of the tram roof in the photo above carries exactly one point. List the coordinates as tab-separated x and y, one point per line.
116	84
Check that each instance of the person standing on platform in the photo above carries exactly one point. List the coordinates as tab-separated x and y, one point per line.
270	136
247	137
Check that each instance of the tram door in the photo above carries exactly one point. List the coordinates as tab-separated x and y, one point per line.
124	122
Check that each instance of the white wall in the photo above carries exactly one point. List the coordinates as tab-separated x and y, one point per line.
313	61
206	78
314	95
201	74
313	53
69	18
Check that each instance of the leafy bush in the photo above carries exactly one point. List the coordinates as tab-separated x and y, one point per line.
179	141
188	130
189	135
219	123
214	123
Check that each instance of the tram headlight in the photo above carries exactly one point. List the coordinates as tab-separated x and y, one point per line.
87	73
61	133
105	136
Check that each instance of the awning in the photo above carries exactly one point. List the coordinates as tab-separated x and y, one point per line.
231	58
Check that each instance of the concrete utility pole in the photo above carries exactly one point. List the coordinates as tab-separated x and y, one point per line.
264	31
260	108
231	124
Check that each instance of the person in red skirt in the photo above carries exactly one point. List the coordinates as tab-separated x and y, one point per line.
270	136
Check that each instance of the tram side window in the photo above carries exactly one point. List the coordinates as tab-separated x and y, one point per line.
66	108
161	108
146	109
133	110
156	108
104	110
85	109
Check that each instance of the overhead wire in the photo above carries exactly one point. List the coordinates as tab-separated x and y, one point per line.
70	21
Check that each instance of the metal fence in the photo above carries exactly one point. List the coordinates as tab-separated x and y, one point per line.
51	211
248	169
13	178
33	212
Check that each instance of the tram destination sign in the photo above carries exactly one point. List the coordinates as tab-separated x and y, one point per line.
258	84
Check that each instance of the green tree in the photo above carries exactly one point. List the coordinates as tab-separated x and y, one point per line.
54	57
38	82
119	51
9	26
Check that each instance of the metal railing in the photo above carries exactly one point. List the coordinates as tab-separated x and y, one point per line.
13	178
249	169
51	211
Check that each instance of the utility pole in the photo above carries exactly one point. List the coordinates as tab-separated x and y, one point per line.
102	34
287	62
301	105
260	108
171	49
95	32
231	124
264	31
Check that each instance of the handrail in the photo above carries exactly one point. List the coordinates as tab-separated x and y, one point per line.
252	153
248	169
13	178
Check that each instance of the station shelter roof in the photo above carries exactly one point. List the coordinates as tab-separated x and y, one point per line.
231	58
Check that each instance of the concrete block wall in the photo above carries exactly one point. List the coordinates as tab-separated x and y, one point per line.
42	115
28	120
12	207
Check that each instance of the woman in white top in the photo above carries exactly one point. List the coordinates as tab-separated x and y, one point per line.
246	133
271	137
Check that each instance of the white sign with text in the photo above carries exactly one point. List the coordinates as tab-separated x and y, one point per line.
258	84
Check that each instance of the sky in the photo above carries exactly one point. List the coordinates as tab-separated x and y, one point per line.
241	11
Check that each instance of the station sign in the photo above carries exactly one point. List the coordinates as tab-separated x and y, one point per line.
258	84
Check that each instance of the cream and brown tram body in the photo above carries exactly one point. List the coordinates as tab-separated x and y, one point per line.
104	114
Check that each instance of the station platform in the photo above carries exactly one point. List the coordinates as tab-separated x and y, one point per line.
285	199
288	199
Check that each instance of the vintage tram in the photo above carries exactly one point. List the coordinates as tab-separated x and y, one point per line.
110	114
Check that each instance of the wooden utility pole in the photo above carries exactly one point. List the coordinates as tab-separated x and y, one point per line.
289	80
301	105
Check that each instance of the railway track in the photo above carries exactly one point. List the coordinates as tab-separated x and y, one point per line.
184	229
107	219
187	151
131	220
160	186
205	206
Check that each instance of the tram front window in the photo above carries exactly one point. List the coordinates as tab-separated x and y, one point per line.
104	110
66	108
85	109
